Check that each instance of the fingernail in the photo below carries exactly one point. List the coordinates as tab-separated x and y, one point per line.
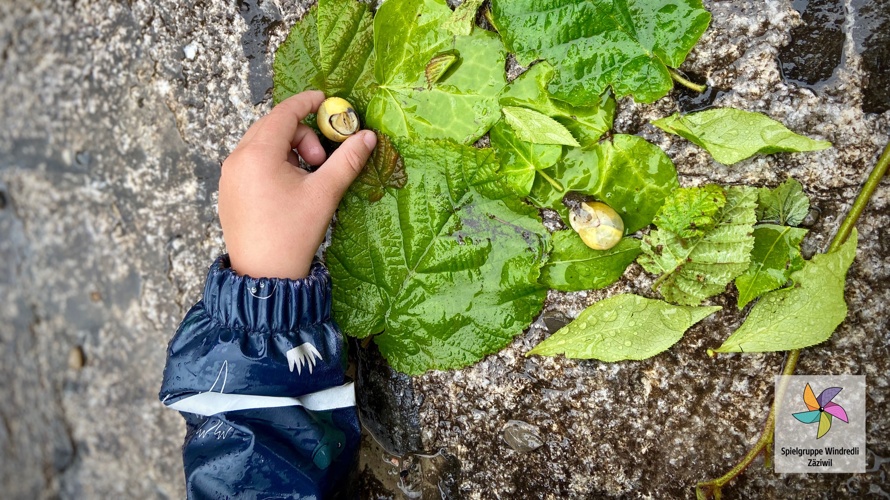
370	139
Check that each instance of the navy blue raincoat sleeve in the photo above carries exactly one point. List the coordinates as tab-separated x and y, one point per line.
257	370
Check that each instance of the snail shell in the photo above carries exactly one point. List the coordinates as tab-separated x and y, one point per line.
599	226
337	119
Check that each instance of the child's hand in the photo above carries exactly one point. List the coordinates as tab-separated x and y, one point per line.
273	213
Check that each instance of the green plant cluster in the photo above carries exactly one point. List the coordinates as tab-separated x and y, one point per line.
439	251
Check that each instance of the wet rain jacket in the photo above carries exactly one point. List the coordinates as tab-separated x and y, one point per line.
257	370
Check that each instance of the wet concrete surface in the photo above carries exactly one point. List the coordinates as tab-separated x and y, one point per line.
114	119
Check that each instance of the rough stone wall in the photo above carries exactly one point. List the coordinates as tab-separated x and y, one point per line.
114	118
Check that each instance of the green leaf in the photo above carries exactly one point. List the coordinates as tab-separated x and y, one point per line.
463	19
573	266
629	174
775	256
787	205
439	65
339	63
538	128
732	135
384	170
519	159
445	269
803	315
593	44
408	34
689	212
693	269
623	327
586	123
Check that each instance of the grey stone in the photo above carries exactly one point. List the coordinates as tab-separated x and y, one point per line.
115	118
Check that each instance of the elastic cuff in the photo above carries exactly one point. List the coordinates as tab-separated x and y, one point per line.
267	304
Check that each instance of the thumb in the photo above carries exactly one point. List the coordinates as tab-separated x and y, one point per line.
344	165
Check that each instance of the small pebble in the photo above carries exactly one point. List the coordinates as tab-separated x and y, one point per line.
76	358
522	436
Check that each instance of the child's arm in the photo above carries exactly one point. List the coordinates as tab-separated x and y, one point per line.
256	367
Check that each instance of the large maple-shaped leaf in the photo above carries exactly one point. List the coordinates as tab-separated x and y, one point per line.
330	49
384	170
628	44
801	315
693	269
445	269
462	103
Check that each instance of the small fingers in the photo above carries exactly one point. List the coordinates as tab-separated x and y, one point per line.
280	128
344	165
307	144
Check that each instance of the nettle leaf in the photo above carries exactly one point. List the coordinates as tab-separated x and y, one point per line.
519	159
626	44
802	315
587	123
732	135
538	128
627	173
775	256
689	212
340	62
786	205
463	19
573	266
384	170
445	269
623	327
462	104
693	269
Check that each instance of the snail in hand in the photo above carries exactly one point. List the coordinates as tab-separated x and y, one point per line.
599	225
337	119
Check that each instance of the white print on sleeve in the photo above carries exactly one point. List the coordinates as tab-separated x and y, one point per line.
305	352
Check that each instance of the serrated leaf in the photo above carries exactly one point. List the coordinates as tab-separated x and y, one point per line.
463	106
627	173
732	135
623	327
537	128
689	212
384	170
439	65
594	44
787	205
802	315
519	159
573	266
694	269
775	256
340	62
587	123
445	269
464	17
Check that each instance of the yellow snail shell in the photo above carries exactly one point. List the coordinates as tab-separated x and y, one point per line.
598	225
337	119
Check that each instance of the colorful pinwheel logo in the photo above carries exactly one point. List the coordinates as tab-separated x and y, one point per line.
821	409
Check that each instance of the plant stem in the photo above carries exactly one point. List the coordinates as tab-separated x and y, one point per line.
553	182
685	82
713	487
